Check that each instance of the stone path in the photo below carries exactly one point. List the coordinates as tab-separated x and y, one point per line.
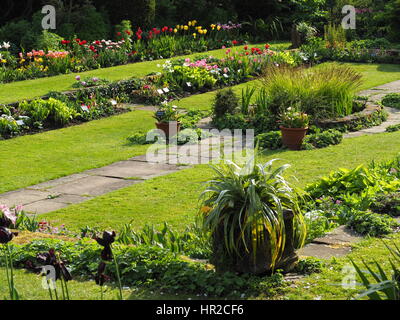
334	244
60	193
376	94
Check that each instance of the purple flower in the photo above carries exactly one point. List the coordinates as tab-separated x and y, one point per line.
78	78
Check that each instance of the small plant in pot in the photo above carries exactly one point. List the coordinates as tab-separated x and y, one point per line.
167	120
254	219
294	126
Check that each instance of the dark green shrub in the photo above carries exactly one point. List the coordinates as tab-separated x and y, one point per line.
309	266
226	102
371	224
392	100
270	140
393	128
387	204
140	12
232	121
324	139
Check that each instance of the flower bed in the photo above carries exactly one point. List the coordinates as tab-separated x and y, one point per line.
78	55
177	79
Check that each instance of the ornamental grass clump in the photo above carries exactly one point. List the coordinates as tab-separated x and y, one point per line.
323	92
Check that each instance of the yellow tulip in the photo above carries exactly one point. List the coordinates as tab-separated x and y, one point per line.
190	23
186	27
204	31
175	30
218	28
194	35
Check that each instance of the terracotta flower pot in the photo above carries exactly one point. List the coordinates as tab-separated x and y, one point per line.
293	137
170	128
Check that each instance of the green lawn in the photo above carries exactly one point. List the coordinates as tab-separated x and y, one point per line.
37	158
12	92
174	198
29	286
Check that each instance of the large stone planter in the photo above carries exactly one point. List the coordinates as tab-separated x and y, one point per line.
260	263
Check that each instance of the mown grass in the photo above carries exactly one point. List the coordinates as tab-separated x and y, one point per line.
28	89
174	198
29	286
32	159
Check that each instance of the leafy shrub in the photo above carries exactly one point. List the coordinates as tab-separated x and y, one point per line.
232	121
371	224
190	119
356	181
49	41
393	128
270	140
319	222
392	100
309	266
8	126
54	111
138	138
225	103
325	138
387	204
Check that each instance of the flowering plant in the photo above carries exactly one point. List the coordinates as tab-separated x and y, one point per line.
293	118
166	113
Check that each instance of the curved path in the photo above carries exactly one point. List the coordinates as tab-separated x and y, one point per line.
375	95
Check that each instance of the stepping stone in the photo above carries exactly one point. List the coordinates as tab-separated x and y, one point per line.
340	236
134	169
93	186
23	197
323	251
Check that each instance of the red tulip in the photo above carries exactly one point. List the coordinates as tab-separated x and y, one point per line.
267	46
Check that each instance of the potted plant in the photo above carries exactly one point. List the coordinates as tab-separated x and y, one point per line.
294	126
254	219
167	120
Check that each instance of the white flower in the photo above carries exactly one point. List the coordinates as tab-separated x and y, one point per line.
6	45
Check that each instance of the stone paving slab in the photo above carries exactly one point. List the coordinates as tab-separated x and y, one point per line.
341	235
44	206
56	182
93	186
134	169
23	197
323	251
334	244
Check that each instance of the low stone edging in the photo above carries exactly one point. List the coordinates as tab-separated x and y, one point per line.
372	115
